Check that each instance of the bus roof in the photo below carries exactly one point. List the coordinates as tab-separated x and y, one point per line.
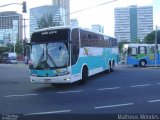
69	27
52	28
136	45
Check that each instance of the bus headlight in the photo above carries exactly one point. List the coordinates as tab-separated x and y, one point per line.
67	79
34	75
63	73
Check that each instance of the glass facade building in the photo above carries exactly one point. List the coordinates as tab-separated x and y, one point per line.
54	13
66	5
133	23
11	28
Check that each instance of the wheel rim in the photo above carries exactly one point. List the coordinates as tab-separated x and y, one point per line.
143	63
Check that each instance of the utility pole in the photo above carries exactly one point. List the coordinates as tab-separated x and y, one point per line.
156	50
24	40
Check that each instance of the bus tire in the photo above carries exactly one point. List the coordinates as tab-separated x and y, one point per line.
110	67
113	65
135	65
142	63
84	76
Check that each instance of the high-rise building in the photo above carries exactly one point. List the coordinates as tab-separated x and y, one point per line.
52	15
10	27
133	23
66	5
98	28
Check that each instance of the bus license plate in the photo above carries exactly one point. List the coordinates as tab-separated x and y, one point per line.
47	80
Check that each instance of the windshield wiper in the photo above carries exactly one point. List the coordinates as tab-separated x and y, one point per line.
51	60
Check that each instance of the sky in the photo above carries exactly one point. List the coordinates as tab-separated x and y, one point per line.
103	15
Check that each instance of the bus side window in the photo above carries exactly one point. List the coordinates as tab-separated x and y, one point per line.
132	51
147	50
74	46
129	50
152	49
141	50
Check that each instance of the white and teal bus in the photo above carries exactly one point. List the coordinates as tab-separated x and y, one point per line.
67	55
141	54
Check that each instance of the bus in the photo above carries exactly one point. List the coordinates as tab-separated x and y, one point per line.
141	54
66	55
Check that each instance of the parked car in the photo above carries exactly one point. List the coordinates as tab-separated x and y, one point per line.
8	57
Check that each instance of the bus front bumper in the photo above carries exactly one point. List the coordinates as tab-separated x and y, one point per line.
56	79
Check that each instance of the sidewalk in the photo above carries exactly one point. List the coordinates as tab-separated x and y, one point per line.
123	65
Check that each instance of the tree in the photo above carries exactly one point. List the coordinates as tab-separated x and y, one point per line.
137	41
121	45
19	47
150	38
3	49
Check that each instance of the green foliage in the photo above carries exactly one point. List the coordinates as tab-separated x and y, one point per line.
120	46
150	38
137	41
3	49
10	48
19	47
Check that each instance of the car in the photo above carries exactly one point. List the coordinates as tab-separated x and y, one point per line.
8	57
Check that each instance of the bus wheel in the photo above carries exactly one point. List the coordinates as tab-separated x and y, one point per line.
110	67
84	76
142	63
135	65
113	65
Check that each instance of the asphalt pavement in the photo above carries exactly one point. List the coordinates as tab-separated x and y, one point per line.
127	90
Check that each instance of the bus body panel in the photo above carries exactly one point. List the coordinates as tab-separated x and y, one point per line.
96	59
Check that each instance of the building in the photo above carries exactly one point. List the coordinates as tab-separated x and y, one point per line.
97	28
54	16
74	23
11	28
66	5
133	23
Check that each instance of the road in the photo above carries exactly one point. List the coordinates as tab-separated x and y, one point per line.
127	90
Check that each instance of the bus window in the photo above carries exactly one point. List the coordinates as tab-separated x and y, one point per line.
152	49
141	50
132	51
75	45
147	49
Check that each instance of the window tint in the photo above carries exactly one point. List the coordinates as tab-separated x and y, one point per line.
132	50
142	50
91	39
75	45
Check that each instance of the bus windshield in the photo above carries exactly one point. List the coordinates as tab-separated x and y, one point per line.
49	55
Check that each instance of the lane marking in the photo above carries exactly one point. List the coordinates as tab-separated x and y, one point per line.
151	101
140	85
69	92
158	83
51	112
111	106
8	96
109	88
